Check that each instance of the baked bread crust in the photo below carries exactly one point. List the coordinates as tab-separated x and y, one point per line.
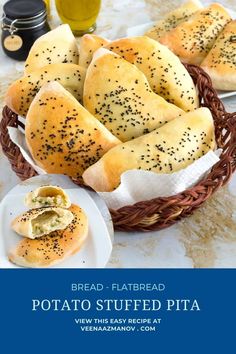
22	92
165	150
51	249
118	94
220	62
166	75
56	46
89	43
173	19
193	39
62	136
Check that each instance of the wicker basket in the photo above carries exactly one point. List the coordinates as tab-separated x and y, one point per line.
157	213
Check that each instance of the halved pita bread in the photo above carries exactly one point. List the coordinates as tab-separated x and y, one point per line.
55	247
35	223
45	196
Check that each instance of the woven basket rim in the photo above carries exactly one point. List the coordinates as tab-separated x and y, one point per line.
161	212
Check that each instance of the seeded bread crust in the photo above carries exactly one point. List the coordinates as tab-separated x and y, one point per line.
62	136
22	92
165	73
54	247
220	63
193	39
173	19
56	46
118	94
89	43
166	150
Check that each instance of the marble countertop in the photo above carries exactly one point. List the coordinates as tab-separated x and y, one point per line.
207	238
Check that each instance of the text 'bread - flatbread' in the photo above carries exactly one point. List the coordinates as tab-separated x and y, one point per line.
173	19
165	150
62	136
45	196
220	62
56	46
53	248
22	92
193	39
118	94
166	75
41	221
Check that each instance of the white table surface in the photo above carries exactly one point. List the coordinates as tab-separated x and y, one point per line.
206	239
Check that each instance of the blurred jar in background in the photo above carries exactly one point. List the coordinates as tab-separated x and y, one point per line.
47	2
23	21
81	15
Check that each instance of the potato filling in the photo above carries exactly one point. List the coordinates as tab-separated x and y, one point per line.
49	221
49	201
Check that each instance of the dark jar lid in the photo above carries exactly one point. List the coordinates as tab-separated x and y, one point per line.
23	9
23	15
23	22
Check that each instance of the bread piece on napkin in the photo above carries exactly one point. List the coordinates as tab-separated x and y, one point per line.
193	39
22	92
62	136
165	73
89	43
167	149
45	196
118	94
41	221
53	248
173	19
220	62
56	46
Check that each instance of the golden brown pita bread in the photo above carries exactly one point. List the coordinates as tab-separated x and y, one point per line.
173	19
166	75
118	94
165	150
51	249
62	136
37	222
56	46
89	43
193	39
22	92
220	62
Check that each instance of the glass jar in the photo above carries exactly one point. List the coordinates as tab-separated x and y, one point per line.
81	15
23	22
